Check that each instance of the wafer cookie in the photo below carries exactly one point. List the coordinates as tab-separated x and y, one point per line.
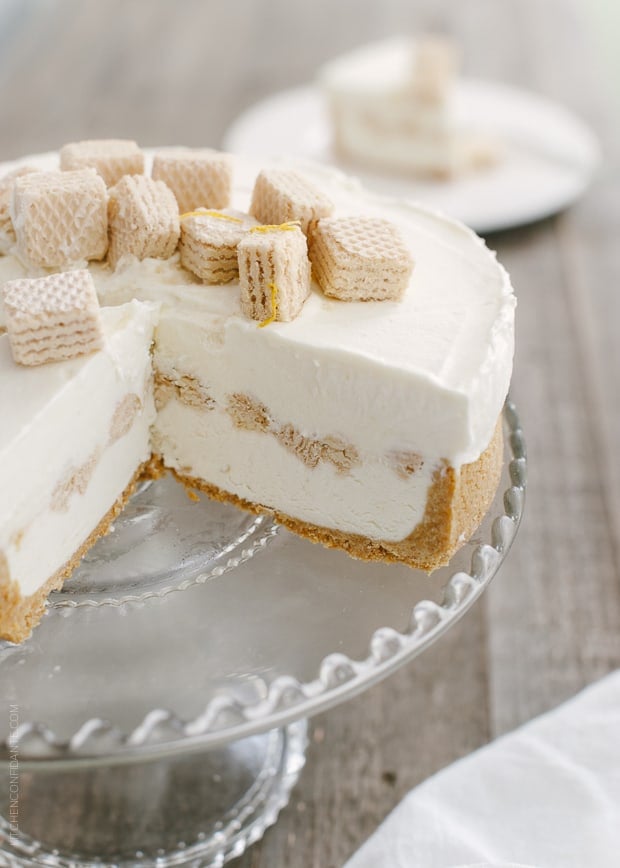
435	65
7	233
198	177
60	218
50	319
283	195
209	240
360	259
111	158
274	273
143	219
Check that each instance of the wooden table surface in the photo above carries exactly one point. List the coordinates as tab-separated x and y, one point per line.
550	624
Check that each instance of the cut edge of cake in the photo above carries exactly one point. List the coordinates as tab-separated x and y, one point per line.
20	614
457	502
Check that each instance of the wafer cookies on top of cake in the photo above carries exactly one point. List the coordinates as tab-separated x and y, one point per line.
371	425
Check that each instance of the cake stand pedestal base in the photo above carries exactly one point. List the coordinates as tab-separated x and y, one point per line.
199	808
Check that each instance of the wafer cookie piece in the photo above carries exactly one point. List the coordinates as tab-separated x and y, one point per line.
143	219
360	259
435	64
60	218
198	177
283	195
7	233
111	158
274	273
50	319
209	240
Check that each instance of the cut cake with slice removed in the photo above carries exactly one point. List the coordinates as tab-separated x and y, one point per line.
367	425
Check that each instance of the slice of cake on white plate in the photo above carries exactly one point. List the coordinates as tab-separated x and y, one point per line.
346	374
392	107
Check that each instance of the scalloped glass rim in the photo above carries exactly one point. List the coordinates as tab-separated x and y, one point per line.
339	677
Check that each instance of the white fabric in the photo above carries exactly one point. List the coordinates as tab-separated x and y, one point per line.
544	796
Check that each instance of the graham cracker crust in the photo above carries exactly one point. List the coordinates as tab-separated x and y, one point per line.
456	504
18	614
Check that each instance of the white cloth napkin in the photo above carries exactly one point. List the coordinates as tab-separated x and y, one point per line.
546	795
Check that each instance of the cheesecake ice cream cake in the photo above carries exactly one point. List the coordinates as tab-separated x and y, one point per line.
288	342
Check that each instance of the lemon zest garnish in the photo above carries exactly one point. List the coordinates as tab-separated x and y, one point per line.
281	227
203	212
274	306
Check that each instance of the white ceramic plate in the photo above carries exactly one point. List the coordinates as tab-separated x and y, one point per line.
548	161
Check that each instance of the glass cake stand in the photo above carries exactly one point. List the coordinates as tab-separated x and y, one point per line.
157	716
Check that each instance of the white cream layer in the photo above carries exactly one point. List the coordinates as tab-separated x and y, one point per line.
428	374
54	418
369	499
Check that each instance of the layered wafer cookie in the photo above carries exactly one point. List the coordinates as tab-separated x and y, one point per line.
7	233
60	218
274	273
50	319
283	195
360	259
143	219
198	177
434	68
209	240
111	158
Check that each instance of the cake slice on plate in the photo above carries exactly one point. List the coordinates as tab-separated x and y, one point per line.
393	106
